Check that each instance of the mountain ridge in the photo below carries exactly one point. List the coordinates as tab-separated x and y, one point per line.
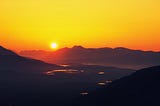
117	57
4	51
12	61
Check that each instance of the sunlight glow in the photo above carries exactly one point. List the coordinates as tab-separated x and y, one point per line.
54	45
91	23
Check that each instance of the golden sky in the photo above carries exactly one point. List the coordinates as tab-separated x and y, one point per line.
34	24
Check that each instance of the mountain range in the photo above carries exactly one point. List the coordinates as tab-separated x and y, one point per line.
30	82
78	84
117	57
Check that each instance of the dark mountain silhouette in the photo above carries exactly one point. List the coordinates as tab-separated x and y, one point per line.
4	51
20	86
117	57
10	61
139	89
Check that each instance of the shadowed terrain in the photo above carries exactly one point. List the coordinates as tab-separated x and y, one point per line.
10	61
30	82
138	89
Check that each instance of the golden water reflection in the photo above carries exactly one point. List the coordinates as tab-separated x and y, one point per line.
64	65
101	73
84	93
102	83
68	71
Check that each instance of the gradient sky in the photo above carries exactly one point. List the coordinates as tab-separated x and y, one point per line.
34	24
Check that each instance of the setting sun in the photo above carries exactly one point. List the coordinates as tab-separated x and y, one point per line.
47	46
91	23
54	45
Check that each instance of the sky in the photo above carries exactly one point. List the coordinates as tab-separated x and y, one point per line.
35	24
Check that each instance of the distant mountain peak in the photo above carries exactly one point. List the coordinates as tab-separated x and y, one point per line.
121	48
118	56
4	51
78	47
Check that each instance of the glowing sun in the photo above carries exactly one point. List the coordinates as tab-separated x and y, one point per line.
54	45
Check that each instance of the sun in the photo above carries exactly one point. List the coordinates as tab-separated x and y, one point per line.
54	45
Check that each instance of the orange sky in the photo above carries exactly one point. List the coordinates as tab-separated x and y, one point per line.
34	24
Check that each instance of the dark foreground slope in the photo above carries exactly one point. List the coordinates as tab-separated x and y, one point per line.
139	89
10	62
26	82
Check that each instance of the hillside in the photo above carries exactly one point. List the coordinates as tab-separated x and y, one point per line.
29	82
138	89
10	61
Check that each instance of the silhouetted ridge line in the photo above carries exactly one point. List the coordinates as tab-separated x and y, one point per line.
13	62
138	89
116	57
4	51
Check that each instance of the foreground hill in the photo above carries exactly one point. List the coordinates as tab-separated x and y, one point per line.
10	61
54	86
139	89
117	57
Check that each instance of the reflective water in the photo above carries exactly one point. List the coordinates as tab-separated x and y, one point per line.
108	81
101	73
68	71
64	65
102	83
84	93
